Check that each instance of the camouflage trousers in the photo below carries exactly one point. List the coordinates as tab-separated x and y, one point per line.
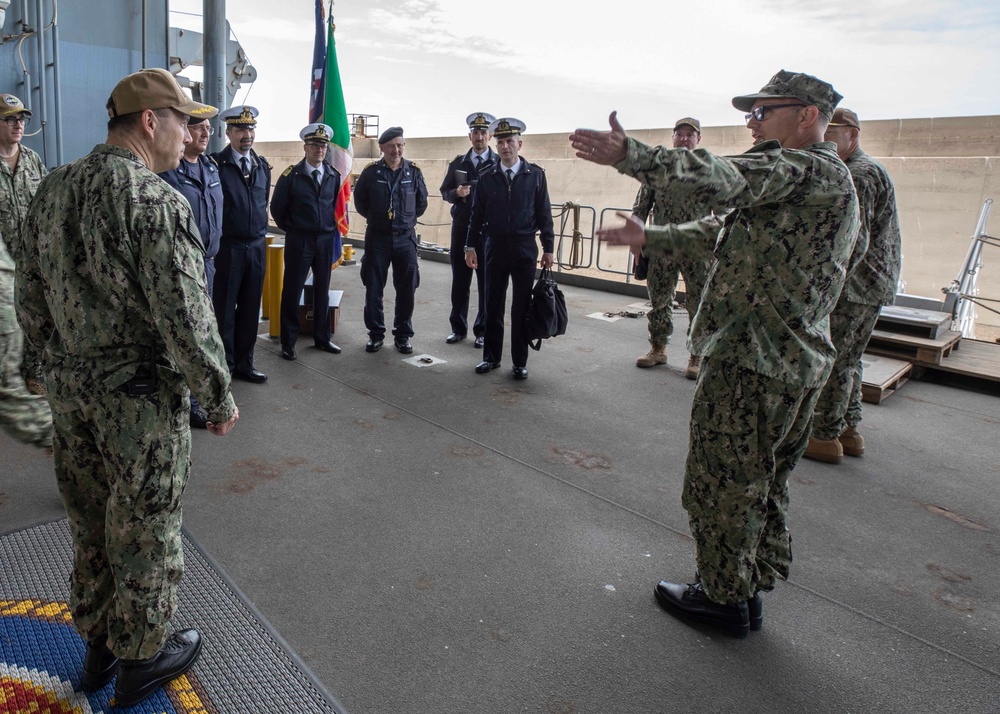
747	433
31	364
839	404
23	415
121	465
661	282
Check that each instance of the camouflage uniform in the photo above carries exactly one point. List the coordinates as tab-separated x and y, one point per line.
661	280
16	190
112	283
23	415
869	286
762	327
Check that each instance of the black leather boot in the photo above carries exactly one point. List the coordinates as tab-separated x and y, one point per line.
99	666
691	602
138	678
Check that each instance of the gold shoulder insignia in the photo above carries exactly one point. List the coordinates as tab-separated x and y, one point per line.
214	161
415	165
287	171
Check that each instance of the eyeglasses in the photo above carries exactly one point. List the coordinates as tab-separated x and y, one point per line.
19	119
760	112
208	129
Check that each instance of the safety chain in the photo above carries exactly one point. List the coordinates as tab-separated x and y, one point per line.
626	313
980	300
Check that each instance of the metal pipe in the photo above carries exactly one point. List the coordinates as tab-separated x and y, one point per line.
143	29
56	90
42	93
214	39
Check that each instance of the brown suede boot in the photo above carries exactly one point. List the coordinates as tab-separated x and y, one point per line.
829	451
694	366
656	355
852	442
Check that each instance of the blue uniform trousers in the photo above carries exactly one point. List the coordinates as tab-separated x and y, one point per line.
400	252
239	284
461	284
508	261
302	252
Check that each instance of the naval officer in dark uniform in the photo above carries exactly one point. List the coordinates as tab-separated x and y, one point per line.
197	179
303	206
390	194
459	181
239	276
509	206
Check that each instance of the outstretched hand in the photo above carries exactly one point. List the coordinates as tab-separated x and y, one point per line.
602	147
632	234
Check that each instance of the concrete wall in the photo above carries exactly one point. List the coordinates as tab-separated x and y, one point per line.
943	170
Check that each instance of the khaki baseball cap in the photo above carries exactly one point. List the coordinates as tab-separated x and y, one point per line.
845	117
794	85
154	89
689	121
10	105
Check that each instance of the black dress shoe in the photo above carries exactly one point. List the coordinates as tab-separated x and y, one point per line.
288	353
520	372
374	345
99	666
199	419
328	347
755	607
251	375
480	341
453	338
404	346
138	678
484	367
691	602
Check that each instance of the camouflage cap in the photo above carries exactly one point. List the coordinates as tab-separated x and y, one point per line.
688	121
153	89
804	87
11	105
845	117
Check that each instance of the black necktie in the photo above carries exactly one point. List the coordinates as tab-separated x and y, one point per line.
510	176
478	159
316	178
245	166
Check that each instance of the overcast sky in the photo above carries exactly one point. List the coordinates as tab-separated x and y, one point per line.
557	65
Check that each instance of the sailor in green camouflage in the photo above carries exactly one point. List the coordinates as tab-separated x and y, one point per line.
871	284
111	278
661	278
23	415
762	326
20	172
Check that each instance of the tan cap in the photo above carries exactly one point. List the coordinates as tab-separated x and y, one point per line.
10	105
689	121
154	89
845	117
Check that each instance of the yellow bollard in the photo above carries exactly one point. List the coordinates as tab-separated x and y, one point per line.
265	298
275	278
348	252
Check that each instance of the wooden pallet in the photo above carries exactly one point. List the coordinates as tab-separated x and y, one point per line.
977	359
882	376
920	350
913	321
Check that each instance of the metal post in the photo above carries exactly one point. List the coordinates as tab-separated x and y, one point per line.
56	91
42	99
214	38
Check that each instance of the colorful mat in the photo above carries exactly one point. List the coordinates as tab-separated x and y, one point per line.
245	666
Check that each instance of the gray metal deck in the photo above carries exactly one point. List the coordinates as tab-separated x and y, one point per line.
433	540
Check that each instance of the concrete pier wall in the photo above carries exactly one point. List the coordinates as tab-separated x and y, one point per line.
943	169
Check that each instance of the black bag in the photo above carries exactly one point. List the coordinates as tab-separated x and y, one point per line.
546	316
640	269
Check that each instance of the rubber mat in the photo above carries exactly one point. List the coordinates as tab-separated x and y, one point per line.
245	666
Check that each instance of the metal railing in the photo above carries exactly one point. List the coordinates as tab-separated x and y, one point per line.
966	285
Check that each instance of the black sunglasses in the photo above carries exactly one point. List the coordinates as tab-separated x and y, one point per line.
759	113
